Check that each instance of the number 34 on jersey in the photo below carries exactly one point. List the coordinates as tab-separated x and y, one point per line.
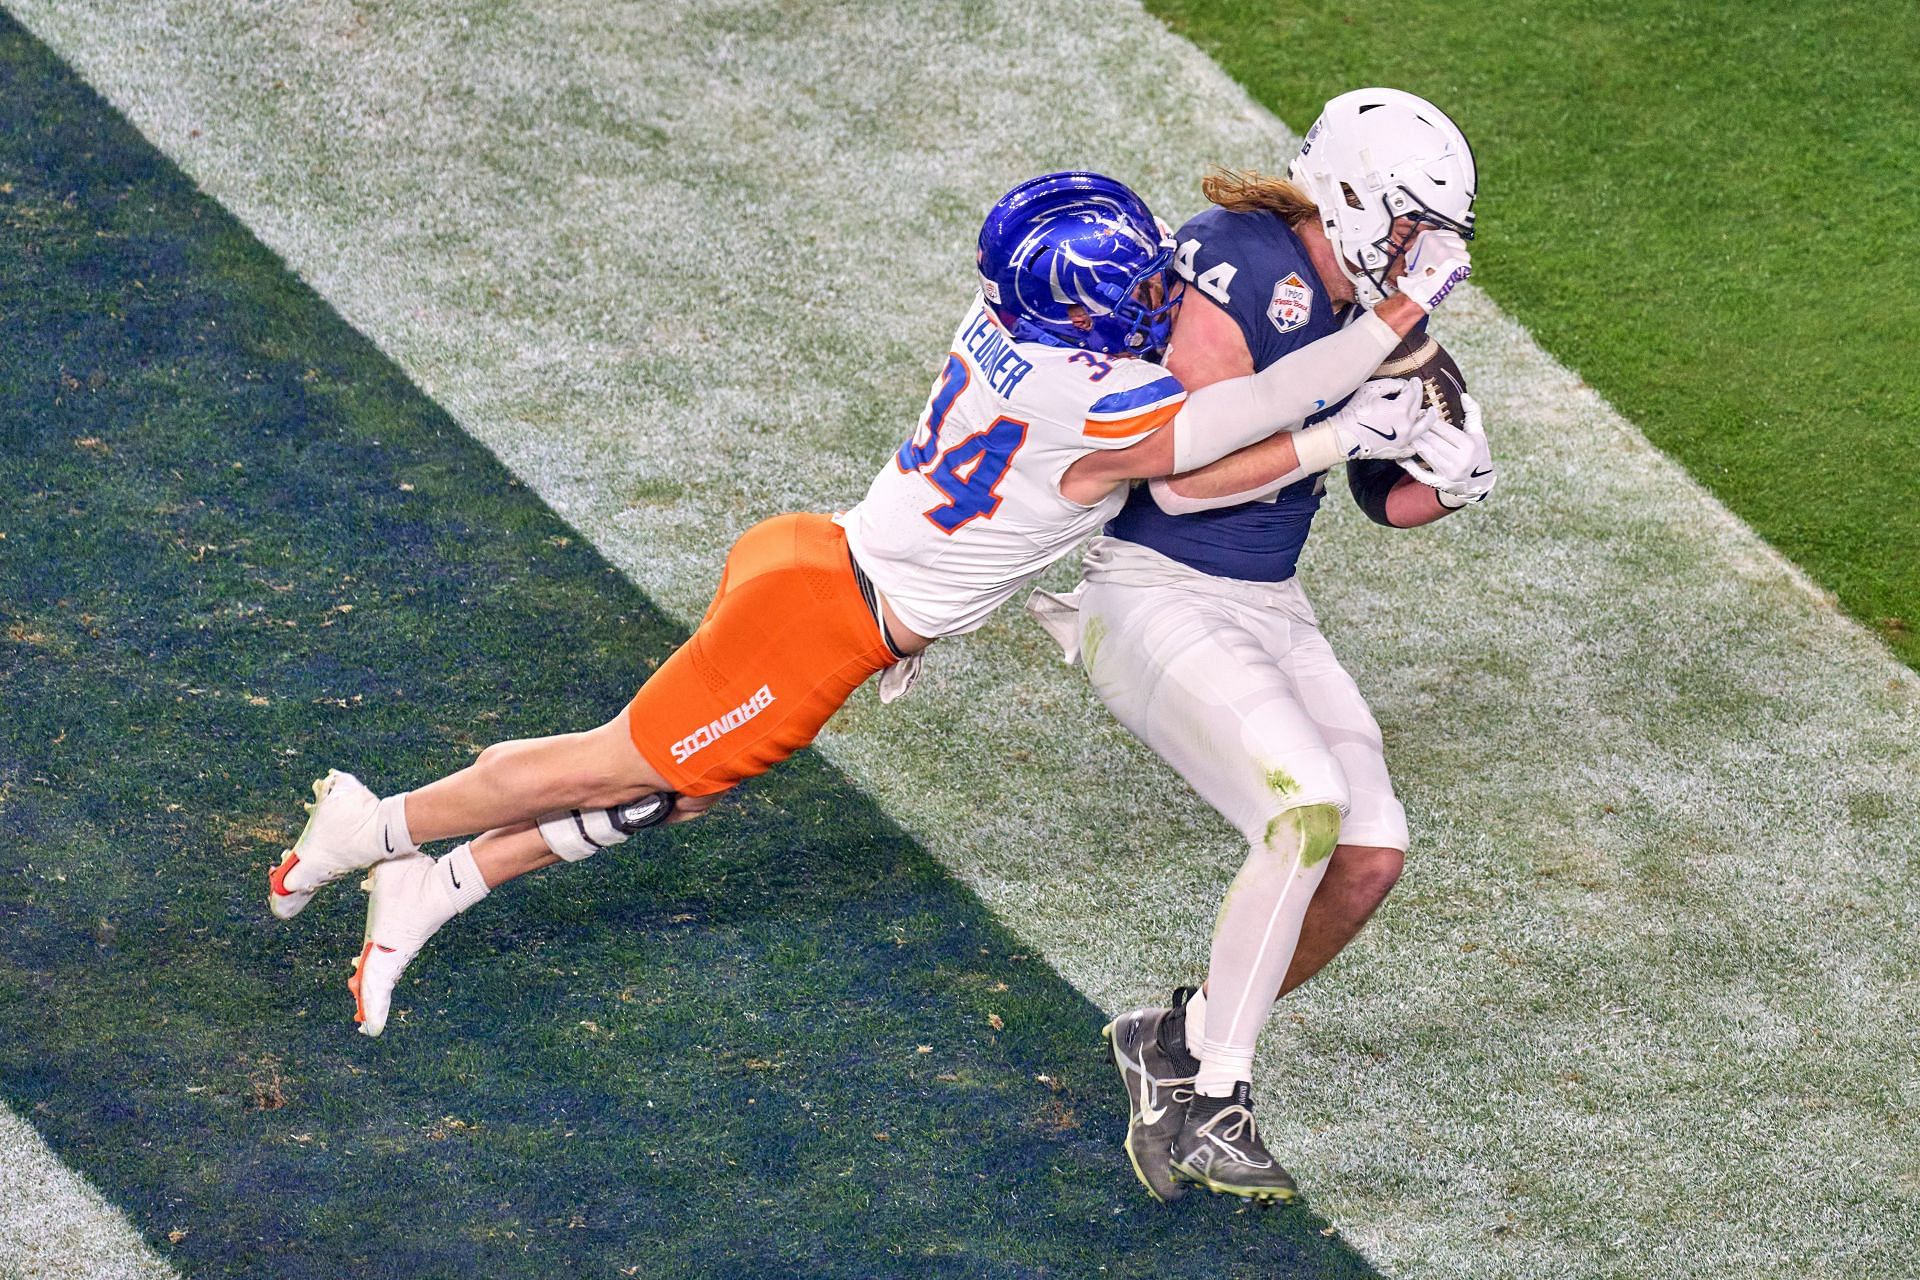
969	507
968	473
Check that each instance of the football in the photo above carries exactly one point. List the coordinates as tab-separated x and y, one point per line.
1421	356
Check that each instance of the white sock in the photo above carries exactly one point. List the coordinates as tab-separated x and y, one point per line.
1216	1079
1253	942
414	896
390	823
1219	1073
464	883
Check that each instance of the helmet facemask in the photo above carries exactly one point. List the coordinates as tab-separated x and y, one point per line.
1141	315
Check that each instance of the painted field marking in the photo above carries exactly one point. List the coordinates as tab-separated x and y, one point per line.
1662	789
53	1224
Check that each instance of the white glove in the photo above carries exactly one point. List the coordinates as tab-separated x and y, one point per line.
1385	419
1437	262
1455	460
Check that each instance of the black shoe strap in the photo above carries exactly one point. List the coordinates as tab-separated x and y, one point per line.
1173	1038
1204	1107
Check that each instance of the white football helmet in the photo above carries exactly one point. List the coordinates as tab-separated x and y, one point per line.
1376	155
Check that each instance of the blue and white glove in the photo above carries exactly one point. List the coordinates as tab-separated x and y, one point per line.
1437	262
1455	461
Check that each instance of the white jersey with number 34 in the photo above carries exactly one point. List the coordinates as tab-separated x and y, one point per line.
969	509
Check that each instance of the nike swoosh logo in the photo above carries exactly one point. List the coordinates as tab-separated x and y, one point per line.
1477	472
1384	435
1319	405
453	875
387	836
1149	1113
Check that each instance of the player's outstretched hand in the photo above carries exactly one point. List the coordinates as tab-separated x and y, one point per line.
1455	460
1437	262
1386	418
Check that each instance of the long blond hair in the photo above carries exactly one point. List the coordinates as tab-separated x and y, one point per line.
1246	191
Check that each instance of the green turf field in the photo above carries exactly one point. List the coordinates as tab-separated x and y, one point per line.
239	544
1707	211
677	266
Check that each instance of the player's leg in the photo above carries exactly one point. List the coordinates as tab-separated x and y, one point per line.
789	638
1359	878
409	899
1186	673
1373	835
788	605
512	782
350	828
1359	872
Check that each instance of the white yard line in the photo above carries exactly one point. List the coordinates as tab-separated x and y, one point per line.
1642	1005
53	1224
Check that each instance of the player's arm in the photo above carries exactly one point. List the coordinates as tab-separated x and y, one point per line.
1385	418
1215	348
1393	498
1221	455
1226	416
1223	417
1252	473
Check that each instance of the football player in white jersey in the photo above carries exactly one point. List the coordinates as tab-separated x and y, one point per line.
1209	650
1047	405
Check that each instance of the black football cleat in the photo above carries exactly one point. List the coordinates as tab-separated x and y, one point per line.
1159	1082
1219	1147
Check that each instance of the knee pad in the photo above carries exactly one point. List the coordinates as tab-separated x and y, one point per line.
576	834
1312	829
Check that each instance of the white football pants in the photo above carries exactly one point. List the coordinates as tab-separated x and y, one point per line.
1233	685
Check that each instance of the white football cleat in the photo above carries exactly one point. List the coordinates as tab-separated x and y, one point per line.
342	835
408	899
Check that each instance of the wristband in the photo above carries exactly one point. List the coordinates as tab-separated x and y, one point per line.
1223	417
1319	448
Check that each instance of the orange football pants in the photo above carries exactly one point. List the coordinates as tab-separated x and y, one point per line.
786	641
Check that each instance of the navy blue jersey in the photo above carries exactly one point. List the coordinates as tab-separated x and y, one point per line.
1254	267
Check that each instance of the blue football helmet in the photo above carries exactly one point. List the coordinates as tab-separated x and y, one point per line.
1067	240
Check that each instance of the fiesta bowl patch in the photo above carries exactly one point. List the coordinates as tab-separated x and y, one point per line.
1292	304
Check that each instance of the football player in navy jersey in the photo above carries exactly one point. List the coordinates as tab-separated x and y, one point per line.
1199	638
1046	406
